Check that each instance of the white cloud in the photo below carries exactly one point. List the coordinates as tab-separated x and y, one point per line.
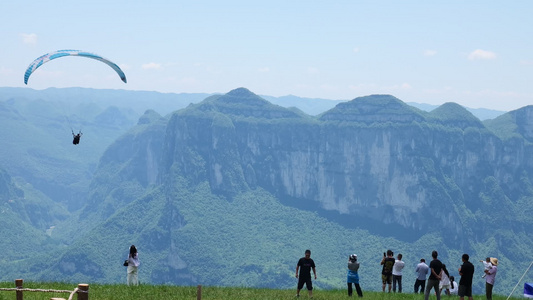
151	66
430	52
526	62
481	54
29	38
264	70
405	86
356	49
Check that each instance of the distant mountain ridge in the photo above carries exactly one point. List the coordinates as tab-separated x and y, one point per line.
167	102
315	106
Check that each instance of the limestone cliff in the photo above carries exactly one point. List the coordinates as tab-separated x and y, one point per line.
373	158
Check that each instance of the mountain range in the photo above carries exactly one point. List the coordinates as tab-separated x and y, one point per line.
231	189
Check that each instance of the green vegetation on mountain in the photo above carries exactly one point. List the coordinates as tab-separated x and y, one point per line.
21	221
452	114
513	125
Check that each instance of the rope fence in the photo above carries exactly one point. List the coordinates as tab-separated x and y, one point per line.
82	291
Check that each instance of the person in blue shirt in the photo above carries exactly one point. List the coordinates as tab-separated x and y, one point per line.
353	276
422	270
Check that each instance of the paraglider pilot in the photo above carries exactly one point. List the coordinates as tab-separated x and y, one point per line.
76	137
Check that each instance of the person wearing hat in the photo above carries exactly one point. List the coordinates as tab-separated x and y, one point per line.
489	279
353	276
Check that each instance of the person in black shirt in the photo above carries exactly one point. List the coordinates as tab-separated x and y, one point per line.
304	266
386	273
435	267
467	273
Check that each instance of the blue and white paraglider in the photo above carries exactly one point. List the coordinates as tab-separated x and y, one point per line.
62	53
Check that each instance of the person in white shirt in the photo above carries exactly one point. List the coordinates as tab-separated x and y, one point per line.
487	266
397	274
445	282
422	270
454	287
133	266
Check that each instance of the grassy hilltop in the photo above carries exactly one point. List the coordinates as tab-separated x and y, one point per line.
167	292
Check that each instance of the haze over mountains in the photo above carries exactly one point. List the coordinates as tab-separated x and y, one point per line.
203	189
165	103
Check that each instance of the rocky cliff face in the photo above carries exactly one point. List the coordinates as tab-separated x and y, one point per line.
127	169
373	158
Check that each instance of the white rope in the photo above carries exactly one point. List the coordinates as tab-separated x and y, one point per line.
34	290
531	264
76	290
72	294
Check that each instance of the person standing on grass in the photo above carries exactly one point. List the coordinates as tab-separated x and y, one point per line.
303	273
434	277
445	283
422	270
133	266
353	276
386	273
465	283
489	279
397	274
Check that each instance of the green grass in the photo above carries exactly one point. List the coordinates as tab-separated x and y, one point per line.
168	292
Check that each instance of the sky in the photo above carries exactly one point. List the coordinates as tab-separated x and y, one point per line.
475	53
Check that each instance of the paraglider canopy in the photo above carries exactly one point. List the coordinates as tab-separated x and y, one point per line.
62	53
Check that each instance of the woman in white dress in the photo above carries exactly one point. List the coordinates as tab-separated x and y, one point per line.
444	280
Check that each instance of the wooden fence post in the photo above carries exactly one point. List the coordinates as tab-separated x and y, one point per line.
199	292
84	295
19	284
